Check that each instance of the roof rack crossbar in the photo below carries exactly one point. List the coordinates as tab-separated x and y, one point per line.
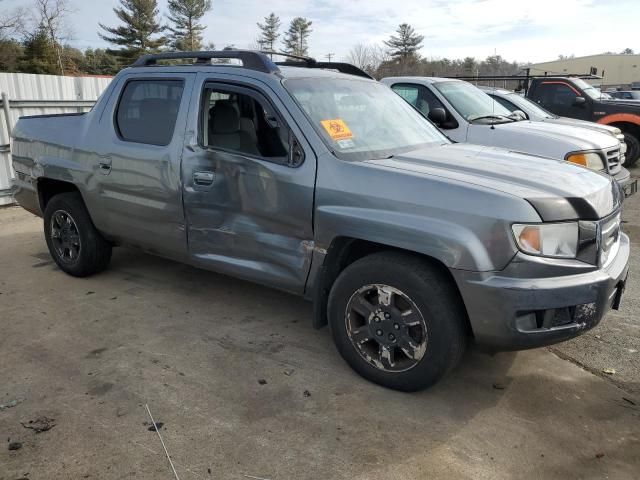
250	59
308	62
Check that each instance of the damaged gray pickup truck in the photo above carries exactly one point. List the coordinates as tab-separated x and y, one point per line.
308	177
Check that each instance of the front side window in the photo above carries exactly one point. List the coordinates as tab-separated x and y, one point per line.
559	94
419	96
147	111
242	123
472	103
361	120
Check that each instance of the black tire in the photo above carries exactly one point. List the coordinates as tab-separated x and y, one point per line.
633	149
437	300
76	246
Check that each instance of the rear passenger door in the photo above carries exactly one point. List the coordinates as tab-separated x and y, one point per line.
137	162
249	179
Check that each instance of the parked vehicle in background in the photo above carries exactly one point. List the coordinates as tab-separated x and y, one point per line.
626	94
330	186
514	101
574	98
467	114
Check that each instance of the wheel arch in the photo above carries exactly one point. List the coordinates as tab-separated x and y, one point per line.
344	251
49	188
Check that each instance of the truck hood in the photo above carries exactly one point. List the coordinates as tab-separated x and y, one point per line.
556	189
574	122
572	136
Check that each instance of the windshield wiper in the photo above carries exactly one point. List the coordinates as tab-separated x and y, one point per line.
482	117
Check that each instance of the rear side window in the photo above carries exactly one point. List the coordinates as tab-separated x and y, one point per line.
147	111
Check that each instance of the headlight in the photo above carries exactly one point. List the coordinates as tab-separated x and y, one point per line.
558	240
589	160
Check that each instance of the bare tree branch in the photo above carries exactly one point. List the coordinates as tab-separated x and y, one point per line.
11	22
52	16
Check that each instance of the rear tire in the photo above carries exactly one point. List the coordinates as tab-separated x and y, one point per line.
633	149
74	243
397	320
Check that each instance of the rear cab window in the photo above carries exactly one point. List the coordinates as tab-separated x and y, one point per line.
147	111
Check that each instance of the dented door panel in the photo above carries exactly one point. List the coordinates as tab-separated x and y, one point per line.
247	216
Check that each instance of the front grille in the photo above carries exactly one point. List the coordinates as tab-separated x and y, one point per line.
609	238
614	160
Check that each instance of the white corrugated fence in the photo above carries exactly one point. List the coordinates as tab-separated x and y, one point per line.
28	94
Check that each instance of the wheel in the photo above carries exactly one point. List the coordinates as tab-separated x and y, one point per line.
397	321
633	149
74	243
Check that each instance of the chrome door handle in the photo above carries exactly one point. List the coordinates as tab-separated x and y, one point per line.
203	178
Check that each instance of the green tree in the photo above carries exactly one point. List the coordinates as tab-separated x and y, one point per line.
269	31
186	31
11	53
405	44
627	51
39	54
140	33
100	62
296	38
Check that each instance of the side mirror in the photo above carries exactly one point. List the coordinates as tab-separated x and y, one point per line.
438	116
520	114
579	101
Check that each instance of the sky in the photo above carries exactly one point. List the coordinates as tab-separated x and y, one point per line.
522	31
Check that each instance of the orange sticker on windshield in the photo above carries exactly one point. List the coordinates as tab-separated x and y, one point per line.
337	129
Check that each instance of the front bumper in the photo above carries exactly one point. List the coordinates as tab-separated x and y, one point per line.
629	185
536	302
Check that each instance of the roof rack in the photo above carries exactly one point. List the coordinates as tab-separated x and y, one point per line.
308	62
250	59
523	79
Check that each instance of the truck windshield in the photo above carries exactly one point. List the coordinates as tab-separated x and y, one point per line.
362	120
590	90
472	103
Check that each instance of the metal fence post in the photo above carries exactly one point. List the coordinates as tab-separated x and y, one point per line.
5	108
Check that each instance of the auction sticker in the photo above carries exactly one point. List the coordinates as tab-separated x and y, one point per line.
337	129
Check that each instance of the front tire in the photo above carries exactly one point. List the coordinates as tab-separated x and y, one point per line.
74	243
397	320
633	149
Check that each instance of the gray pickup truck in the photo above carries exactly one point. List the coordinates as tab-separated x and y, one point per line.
327	184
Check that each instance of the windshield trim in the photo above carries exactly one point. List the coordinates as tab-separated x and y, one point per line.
372	154
525	104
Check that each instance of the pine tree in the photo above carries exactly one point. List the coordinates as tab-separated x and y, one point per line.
296	38
139	33
186	32
406	44
39	53
269	32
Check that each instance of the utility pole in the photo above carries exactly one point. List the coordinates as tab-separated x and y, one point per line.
329	55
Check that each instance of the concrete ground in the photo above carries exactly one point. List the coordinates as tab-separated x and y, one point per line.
88	354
